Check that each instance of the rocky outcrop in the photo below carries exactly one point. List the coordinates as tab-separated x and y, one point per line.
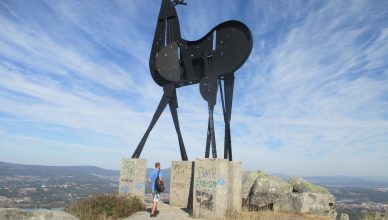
311	198
264	192
314	203
248	179
20	214
299	185
261	191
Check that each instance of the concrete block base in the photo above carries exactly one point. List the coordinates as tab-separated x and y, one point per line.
181	184
132	177
217	187
234	186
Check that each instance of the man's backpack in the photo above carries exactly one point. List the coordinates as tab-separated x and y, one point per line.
159	185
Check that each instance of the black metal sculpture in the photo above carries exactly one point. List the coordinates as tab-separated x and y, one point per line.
175	62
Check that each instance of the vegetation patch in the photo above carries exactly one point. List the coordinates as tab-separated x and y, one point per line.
106	207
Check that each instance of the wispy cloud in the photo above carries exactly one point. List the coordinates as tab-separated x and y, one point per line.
311	99
315	93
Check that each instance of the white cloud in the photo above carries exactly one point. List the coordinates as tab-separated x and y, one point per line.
315	93
311	99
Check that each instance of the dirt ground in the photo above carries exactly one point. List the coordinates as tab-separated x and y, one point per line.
167	212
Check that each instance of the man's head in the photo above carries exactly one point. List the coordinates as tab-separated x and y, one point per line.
157	165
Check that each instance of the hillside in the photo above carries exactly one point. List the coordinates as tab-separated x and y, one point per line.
11	169
34	186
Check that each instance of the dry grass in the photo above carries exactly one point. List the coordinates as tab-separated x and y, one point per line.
271	215
106	207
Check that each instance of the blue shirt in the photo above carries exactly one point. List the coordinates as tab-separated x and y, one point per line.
153	176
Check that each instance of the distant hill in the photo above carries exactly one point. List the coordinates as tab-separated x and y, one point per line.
91	172
80	173
350	181
37	186
11	169
344	181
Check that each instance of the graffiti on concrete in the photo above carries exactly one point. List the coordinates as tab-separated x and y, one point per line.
180	170
180	176
139	186
204	199
180	185
221	181
205	186
127	171
204	173
208	184
124	190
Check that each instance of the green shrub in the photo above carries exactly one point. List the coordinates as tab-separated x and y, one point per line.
106	207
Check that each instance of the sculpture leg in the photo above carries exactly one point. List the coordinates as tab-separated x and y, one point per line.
227	110
173	106
229	84
208	88
226	149
211	131
162	105
228	144
207	150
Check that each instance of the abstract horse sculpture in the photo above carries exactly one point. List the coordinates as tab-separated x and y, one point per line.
175	62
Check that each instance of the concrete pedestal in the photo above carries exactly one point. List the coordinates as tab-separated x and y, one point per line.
132	177
210	188
217	187
181	184
234	186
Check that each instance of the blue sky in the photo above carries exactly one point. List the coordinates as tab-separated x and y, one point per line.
312	99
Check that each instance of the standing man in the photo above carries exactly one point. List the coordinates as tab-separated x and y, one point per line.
155	193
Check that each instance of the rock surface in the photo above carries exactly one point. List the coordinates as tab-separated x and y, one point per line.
315	203
299	185
20	214
248	180
265	192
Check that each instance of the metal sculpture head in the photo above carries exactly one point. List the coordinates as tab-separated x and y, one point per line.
175	62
